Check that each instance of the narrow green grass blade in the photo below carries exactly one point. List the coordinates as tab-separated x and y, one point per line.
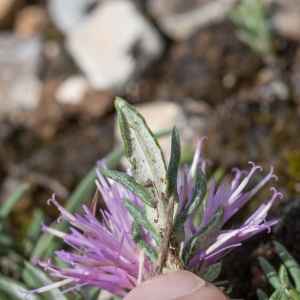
15	289
290	263
261	295
11	201
34	229
41	279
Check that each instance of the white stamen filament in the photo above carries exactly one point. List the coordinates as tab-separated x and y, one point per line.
55	285
141	267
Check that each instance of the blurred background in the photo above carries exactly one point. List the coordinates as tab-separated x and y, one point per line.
226	69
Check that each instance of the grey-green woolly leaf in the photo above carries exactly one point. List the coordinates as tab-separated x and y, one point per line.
294	294
129	183
279	293
212	272
290	263
141	147
283	275
217	177
174	162
41	279
204	237
199	194
138	215
145	156
141	243
261	295
15	289
270	272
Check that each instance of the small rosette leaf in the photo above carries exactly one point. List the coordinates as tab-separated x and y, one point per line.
279	293
273	278
290	263
204	237
283	275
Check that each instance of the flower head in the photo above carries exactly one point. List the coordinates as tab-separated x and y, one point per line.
106	254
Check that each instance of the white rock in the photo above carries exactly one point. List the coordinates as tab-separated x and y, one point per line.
179	19
20	88
67	14
113	43
72	90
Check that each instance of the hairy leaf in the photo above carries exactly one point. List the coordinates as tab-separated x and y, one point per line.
141	243
129	183
146	158
174	162
204	237
139	216
212	272
199	194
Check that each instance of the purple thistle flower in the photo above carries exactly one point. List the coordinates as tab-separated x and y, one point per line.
106	255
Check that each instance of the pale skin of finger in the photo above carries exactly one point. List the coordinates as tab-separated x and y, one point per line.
180	285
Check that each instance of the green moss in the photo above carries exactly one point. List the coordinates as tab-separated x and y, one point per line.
293	167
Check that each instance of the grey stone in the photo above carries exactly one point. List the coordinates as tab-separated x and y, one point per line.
67	14
285	16
179	19
20	86
114	43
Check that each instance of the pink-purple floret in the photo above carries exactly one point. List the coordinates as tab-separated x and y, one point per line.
105	254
